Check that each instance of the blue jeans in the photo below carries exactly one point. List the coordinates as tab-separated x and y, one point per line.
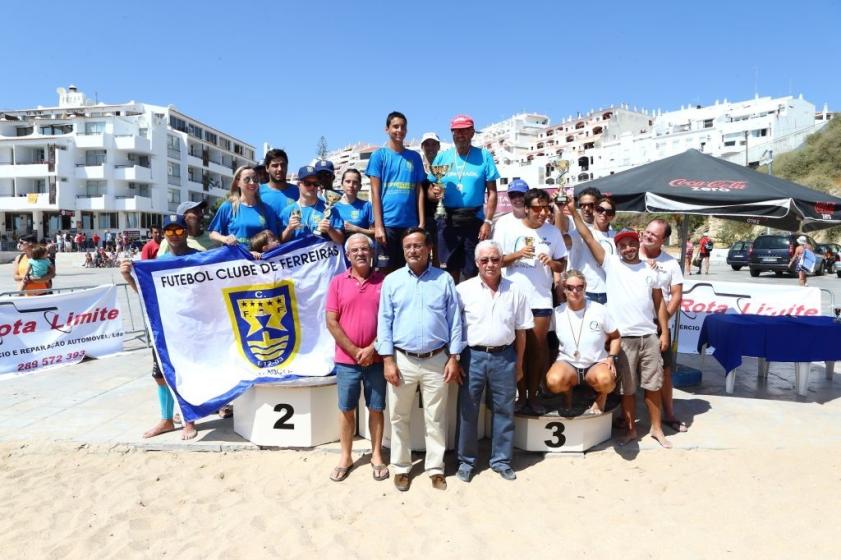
497	372
597	297
349	378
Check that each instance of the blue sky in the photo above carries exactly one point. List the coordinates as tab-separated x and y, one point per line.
289	72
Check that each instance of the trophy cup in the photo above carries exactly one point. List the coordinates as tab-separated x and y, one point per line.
561	168
439	171
331	197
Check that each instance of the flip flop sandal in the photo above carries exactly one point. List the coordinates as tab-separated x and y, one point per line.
380	472
676	425
340	473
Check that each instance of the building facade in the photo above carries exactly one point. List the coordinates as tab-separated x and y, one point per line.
98	167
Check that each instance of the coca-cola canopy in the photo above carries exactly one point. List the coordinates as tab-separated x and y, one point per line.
696	183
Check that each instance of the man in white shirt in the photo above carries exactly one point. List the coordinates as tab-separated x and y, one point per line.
598	212
496	317
655	234
634	300
533	255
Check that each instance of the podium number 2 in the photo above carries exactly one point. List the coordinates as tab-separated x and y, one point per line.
558	439
286	412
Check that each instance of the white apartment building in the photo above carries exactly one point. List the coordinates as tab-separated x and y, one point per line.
100	167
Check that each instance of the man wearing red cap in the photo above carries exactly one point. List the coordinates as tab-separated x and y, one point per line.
634	299
471	173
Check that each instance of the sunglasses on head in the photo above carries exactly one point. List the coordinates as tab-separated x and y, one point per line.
603	210
174	231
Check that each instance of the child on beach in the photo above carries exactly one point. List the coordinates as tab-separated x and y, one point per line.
39	264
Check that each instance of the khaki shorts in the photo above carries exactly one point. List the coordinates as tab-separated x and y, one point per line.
640	364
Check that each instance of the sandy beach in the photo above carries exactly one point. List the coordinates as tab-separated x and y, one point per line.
72	501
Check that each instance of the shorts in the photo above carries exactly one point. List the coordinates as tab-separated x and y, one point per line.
457	246
349	378
390	255
667	355
581	373
639	364
541	312
597	297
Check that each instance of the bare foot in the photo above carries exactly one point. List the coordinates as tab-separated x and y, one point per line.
159	428
189	430
628	438
661	439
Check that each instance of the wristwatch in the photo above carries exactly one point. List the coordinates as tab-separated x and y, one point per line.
489	222
456	356
614	357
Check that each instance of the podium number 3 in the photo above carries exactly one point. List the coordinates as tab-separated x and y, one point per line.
286	412
558	439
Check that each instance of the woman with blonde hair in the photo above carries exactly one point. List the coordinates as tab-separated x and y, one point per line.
243	215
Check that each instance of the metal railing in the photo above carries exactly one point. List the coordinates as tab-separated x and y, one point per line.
134	326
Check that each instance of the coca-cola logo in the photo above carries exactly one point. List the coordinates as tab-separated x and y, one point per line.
720	185
825	207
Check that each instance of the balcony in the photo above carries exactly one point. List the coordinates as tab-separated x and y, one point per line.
133	143
219	168
90	171
132	203
88	202
25	201
193	159
130	172
8	171
90	141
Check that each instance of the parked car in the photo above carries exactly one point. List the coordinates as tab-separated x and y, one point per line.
737	256
832	254
774	252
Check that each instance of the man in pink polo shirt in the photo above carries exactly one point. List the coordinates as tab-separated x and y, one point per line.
352	305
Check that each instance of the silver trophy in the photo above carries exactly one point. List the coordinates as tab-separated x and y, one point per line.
439	171
331	197
561	168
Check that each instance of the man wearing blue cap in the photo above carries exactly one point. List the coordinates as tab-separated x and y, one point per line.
326	174
175	232
517	190
306	216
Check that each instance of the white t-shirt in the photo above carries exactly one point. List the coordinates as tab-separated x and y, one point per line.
668	268
533	277
582	259
629	295
590	326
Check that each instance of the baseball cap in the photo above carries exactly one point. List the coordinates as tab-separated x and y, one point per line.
306	171
324	165
518	186
801	240
429	136
188	205
29	238
174	220
461	121
625	234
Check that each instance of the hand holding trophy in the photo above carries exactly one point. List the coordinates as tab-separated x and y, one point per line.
439	171
331	197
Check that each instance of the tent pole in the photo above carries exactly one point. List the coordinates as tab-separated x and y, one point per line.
684	236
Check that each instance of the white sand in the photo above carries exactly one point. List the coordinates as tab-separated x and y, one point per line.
60	501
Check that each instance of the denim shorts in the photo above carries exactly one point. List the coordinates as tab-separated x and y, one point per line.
349	378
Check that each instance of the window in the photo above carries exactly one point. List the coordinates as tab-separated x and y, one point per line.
238	149
196	196
730	143
148	220
94	188
95	157
708	123
107	220
25	130
178	124
173	199
40	186
210	137
194	130
54	129
173	173
173	146
225	143
94	128
131	220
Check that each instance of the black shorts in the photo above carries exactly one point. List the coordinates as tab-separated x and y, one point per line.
390	255
541	312
457	246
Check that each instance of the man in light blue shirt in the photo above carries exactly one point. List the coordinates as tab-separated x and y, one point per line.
471	173
277	194
419	336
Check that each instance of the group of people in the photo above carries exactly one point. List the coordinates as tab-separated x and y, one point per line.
66	242
429	300
33	269
701	261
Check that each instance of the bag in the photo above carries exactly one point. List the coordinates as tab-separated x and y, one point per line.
462	217
808	261
708	245
696	262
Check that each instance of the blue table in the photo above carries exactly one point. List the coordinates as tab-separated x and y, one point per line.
802	340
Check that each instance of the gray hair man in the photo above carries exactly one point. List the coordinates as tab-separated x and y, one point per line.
496	316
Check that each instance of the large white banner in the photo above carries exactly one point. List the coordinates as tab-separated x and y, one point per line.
222	321
41	332
701	298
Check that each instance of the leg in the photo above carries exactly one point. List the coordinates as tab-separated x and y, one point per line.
434	392
501	385
651	379
536	352
470	397
165	401
603	381
401	399
375	389
561	377
627	366
629	414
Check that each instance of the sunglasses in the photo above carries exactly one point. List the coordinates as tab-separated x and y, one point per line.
540	208
250	180
174	231
569	288
486	260
310	183
587	205
603	210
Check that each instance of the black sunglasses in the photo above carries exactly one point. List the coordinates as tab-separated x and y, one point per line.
603	210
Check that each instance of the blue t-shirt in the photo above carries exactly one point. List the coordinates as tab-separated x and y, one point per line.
277	200
360	213
248	222
399	174
310	218
169	255
471	173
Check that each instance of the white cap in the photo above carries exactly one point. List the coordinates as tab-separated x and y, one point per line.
430	136
802	239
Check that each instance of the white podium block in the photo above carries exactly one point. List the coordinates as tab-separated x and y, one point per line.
558	434
300	413
417	427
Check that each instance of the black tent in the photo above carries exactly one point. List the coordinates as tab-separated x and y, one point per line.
696	183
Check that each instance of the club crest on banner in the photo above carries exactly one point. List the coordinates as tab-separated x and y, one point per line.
265	322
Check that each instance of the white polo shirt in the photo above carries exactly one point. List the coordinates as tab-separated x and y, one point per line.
582	259
491	317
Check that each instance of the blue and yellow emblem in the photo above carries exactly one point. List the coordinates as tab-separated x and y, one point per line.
265	322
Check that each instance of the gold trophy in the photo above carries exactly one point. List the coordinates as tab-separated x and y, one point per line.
439	171
330	199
